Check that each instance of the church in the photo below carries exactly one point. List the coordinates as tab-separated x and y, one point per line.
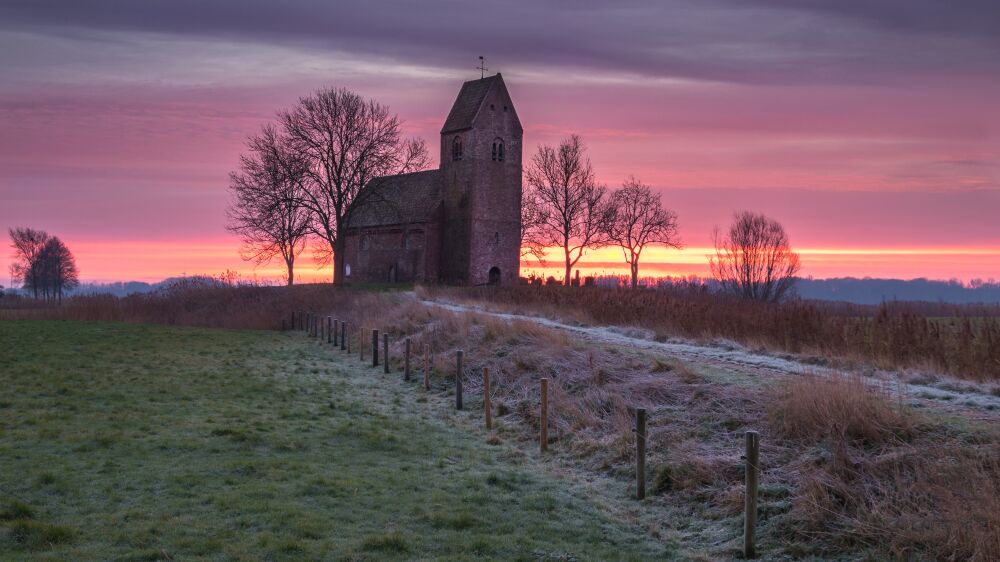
459	224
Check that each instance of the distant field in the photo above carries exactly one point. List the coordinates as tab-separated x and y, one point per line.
138	442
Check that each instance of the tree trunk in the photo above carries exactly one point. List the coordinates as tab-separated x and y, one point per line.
339	269
569	267
634	266
290	264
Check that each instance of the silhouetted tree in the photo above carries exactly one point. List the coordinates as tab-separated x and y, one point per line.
533	218
575	214
347	141
26	242
639	219
754	260
266	209
53	270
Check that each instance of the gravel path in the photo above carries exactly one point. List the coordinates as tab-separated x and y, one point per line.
959	396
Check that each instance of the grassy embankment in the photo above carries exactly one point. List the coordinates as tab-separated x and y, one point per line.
138	442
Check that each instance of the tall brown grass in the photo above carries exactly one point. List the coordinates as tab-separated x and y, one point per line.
882	484
961	340
846	406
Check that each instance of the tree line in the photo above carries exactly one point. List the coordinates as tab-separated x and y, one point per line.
564	206
302	178
43	264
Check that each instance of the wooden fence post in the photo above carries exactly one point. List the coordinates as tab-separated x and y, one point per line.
427	367
543	437
406	361
750	514
343	336
374	348
487	407
336	329
305	327
385	353
361	344
319	333
640	453
329	329
458	382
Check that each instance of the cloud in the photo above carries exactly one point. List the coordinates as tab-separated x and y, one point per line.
777	41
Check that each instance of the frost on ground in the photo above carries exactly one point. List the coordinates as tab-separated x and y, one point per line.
940	391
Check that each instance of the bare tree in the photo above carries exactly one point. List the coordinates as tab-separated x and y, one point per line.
575	214
53	270
754	260
533	217
347	141
26	242
266	210
639	219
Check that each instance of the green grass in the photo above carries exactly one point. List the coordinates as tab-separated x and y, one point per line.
136	442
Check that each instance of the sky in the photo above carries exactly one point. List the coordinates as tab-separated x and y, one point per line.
870	130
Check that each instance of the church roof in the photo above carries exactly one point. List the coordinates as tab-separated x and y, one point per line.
403	199
470	98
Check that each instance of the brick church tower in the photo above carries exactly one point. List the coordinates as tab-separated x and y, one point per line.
459	224
481	186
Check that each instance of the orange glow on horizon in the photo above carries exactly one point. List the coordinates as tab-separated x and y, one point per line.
151	261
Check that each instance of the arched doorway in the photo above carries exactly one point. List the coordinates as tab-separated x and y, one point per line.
494	276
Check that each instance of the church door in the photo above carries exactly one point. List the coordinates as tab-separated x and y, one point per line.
494	275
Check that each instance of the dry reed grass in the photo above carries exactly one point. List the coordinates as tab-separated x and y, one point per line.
845	406
961	340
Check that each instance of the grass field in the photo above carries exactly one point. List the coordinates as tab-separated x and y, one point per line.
139	442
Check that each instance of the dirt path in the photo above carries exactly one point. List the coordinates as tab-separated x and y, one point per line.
946	393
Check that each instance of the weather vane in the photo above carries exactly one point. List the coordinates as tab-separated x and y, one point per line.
482	67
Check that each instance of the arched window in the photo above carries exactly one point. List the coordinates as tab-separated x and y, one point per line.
497	153
366	242
456	148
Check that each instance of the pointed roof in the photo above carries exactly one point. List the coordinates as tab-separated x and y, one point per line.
468	102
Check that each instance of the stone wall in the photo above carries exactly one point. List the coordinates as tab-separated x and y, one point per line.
399	254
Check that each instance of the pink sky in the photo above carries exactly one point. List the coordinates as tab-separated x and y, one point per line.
876	142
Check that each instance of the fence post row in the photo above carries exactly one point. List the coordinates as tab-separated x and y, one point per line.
750	515
543	421
640	453
458	381
385	353
406	361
